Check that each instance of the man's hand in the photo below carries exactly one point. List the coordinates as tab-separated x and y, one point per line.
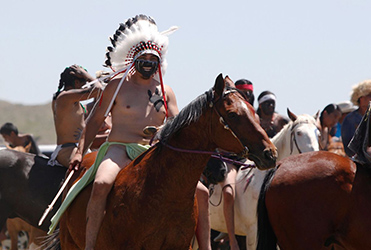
75	162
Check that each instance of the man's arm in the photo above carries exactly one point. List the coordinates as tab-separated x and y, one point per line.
34	148
75	95
93	124
84	93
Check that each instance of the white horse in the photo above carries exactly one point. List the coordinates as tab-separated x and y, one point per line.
298	136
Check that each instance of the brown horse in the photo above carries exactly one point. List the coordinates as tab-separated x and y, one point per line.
152	204
318	200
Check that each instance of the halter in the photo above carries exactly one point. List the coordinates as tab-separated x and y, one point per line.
217	154
245	150
293	137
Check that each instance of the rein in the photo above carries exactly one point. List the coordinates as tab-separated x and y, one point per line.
215	154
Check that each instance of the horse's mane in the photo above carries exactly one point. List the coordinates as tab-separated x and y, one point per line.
187	115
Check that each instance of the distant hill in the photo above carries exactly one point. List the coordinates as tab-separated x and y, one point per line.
30	119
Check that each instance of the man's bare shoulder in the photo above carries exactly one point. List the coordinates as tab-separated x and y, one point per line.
112	85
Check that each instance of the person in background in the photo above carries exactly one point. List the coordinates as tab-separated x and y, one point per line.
346	107
246	87
69	113
19	142
328	118
361	96
271	121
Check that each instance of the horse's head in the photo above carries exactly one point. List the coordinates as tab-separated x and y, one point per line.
235	127
303	133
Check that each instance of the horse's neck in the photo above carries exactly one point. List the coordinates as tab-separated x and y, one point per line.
191	147
282	141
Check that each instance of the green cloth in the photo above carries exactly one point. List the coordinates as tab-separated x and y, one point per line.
133	150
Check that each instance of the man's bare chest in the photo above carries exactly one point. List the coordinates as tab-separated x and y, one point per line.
148	100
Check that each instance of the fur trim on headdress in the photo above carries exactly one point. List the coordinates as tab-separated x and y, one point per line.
138	35
359	90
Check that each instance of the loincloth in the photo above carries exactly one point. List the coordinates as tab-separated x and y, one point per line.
53	158
133	150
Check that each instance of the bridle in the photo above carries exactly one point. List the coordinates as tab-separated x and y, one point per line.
293	140
245	151
222	155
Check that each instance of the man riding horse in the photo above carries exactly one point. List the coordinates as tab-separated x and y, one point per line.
135	100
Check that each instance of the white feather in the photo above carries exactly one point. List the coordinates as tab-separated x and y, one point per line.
141	31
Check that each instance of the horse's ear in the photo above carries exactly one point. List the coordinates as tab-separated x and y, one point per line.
291	115
219	85
229	82
316	116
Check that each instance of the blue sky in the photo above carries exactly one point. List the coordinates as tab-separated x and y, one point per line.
309	53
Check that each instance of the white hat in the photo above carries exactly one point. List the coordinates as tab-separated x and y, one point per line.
346	107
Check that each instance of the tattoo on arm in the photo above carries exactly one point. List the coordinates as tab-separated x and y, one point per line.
77	133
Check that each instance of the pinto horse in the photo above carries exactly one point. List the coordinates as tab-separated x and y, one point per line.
152	203
318	200
298	136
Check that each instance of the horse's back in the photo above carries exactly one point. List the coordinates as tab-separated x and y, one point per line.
308	199
28	185
11	158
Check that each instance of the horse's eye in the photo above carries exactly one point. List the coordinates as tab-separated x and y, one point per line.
232	115
299	133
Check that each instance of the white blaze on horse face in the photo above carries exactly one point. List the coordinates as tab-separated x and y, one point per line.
306	136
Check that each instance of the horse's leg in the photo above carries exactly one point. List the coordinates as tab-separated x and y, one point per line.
13	231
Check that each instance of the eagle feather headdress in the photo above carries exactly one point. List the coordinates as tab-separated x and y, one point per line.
134	37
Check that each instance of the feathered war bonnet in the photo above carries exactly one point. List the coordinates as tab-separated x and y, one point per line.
137	36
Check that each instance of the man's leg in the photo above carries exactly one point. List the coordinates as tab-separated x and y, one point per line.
203	221
229	187
115	160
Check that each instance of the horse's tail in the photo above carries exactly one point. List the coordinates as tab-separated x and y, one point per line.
266	238
52	241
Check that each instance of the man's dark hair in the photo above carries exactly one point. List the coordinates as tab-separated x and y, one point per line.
67	79
329	109
8	128
251	97
242	82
